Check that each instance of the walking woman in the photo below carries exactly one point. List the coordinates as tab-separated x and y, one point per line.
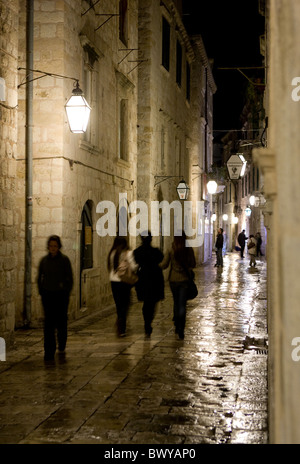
55	282
182	260
121	291
150	286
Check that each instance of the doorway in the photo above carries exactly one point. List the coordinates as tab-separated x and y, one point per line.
86	249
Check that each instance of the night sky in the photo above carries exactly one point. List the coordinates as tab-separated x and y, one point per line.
230	31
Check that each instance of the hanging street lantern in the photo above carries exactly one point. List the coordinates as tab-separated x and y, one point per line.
236	166
78	111
183	190
248	211
77	108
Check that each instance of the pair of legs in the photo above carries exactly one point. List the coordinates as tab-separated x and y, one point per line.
121	293
252	260
56	319
242	251
219	257
148	314
179	292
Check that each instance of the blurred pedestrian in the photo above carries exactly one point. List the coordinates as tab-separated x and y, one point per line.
242	241
55	282
259	243
182	261
251	244
219	248
150	286
119	253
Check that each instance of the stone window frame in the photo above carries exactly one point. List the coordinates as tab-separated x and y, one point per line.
179	73
123	21
90	69
187	81
124	97
163	148
165	43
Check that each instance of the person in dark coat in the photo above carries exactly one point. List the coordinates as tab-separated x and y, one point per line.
150	286
55	282
219	248
259	243
242	241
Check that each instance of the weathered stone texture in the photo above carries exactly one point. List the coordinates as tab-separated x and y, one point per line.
72	170
8	137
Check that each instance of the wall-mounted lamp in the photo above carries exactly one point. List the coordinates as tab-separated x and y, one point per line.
77	108
252	200
78	111
183	190
225	217
236	166
212	187
248	211
235	220
214	217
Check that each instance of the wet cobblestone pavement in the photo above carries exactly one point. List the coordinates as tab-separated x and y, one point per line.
209	388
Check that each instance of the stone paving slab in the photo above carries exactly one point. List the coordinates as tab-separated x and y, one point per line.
210	388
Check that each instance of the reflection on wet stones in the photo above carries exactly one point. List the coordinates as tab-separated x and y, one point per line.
209	388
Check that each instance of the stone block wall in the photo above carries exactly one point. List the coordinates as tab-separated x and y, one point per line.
8	170
68	169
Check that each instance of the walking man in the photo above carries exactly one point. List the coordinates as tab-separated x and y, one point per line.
219	247
242	241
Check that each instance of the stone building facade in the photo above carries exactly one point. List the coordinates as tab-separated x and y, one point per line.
279	162
146	121
8	166
72	173
174	113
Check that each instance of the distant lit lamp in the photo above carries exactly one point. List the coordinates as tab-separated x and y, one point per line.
214	217
225	217
252	200
212	187
235	220
78	111
183	190
248	211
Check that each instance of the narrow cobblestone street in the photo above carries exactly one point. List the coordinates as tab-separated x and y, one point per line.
209	388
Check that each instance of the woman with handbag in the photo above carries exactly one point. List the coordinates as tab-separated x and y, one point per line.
251	244
119	254
182	261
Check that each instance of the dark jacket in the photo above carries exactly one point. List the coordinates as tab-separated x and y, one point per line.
150	285
242	239
55	274
219	241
